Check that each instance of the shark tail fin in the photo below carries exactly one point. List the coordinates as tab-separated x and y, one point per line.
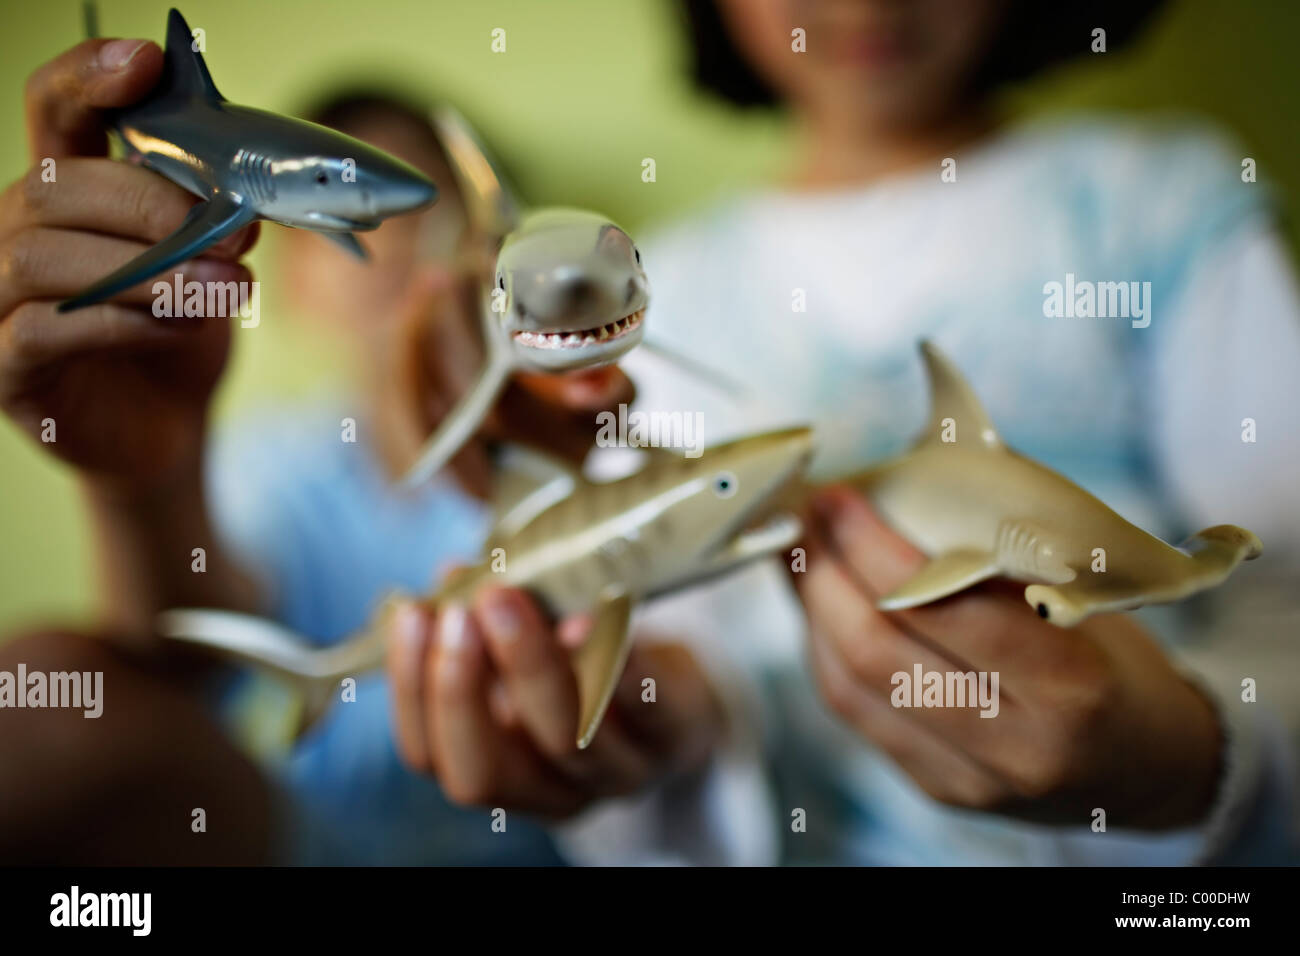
492	206
1221	548
185	74
956	414
313	672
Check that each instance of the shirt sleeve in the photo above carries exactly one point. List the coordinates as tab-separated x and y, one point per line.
1226	436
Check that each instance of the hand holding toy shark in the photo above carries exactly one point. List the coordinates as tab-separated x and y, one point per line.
577	547
981	511
248	164
976	507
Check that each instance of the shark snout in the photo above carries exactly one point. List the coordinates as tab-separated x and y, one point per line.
400	195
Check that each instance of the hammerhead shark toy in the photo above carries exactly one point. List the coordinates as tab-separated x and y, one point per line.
248	164
980	511
569	291
578	547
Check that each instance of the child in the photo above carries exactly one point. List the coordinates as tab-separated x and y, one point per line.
294	521
1144	409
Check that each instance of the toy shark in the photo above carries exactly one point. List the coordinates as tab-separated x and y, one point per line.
569	291
980	511
248	164
578	547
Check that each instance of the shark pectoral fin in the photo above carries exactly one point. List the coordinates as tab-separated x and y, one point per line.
777	534
598	663
947	574
698	370
207	223
348	242
956	415
459	425
528	481
175	170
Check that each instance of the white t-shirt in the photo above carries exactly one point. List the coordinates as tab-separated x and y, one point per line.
815	302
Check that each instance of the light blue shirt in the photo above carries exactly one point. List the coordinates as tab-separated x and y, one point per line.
313	514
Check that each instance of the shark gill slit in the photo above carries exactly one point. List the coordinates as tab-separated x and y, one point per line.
255	172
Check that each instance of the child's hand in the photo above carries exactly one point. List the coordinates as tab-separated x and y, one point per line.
126	392
1089	717
438	358
485	700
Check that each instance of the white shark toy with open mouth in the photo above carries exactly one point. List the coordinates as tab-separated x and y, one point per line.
569	292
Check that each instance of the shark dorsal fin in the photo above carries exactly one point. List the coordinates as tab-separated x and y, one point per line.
185	74
955	412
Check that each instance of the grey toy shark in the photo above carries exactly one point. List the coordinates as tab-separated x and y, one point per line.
249	164
577	547
569	291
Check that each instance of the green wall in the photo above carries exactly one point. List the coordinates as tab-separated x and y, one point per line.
584	91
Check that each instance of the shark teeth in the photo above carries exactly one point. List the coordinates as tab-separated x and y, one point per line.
580	338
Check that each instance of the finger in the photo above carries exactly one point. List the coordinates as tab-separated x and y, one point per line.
477	760
614	763
64	97
43	263
879	557
883	656
466	740
117	199
684	718
35	334
410	639
943	771
984	627
536	670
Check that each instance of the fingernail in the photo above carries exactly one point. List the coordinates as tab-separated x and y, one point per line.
114	56
502	616
453	629
410	626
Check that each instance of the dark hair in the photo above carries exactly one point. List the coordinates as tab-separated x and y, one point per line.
349	107
1034	35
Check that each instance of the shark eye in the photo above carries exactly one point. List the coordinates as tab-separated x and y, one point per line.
637	252
322	177
501	281
724	484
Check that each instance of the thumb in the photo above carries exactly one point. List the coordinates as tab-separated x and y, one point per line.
64	97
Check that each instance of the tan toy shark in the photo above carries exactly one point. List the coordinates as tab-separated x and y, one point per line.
576	546
980	511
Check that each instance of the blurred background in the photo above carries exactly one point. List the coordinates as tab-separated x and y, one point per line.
585	91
